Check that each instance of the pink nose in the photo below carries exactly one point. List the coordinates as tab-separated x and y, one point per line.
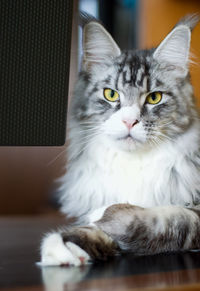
130	123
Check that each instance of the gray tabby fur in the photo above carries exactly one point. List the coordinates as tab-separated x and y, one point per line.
155	166
166	127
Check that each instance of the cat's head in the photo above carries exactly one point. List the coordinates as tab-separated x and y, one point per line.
134	98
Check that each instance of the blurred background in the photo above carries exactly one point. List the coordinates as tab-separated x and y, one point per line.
28	174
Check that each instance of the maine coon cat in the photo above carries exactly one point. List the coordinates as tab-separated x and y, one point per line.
133	173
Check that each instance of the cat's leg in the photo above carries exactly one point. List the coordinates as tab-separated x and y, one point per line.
76	246
124	227
96	215
55	252
152	230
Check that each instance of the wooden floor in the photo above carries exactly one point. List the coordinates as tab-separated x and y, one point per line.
19	250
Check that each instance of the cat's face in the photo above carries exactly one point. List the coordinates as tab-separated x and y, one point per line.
138	98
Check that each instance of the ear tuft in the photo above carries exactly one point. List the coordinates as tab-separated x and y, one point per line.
98	45
190	20
174	49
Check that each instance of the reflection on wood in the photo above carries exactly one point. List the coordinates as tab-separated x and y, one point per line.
19	250
179	280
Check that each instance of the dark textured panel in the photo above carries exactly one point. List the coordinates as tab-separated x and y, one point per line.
35	38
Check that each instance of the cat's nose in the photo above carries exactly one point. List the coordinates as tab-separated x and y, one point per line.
130	123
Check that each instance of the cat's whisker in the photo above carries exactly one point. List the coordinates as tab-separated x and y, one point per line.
158	125
90	123
58	156
155	131
165	137
82	149
83	128
88	137
155	141
87	121
84	141
89	130
151	142
88	127
163	124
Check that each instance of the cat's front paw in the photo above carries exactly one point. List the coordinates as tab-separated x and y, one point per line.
54	252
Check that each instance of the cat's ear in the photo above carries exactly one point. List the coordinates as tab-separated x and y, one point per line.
98	45
174	49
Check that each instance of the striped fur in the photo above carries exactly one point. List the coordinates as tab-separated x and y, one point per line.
154	165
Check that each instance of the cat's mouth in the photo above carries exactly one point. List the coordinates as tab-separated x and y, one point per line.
127	138
127	142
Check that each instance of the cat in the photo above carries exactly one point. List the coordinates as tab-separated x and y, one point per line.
133	172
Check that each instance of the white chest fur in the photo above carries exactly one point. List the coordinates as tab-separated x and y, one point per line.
102	177
133	177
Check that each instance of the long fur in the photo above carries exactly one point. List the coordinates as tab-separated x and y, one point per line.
162	168
138	187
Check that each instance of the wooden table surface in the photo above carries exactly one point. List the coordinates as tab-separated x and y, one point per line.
19	250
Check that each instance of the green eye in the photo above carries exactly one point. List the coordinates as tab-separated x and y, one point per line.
154	98
110	95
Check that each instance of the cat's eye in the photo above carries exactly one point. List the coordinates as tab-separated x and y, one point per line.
110	95
154	98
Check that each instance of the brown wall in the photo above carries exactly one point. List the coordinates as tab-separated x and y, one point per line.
157	18
26	178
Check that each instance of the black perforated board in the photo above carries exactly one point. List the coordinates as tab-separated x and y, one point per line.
35	37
